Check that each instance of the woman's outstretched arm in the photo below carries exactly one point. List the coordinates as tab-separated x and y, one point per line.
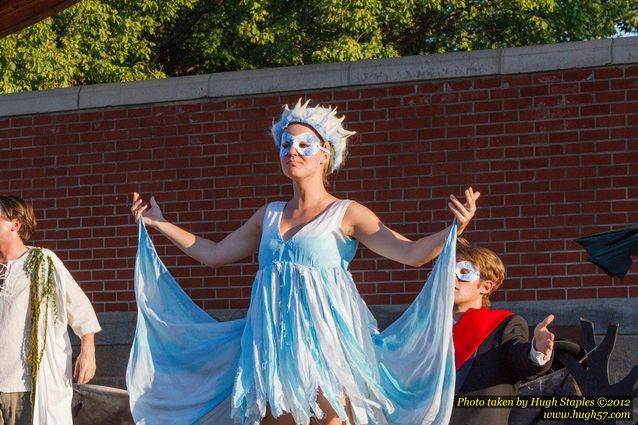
364	225
237	245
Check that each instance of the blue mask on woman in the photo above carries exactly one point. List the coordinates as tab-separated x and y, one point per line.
307	144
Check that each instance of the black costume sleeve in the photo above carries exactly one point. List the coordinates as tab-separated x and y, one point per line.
517	347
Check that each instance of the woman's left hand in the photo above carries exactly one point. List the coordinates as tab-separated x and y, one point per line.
464	212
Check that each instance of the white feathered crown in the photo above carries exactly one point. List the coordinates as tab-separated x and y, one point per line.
323	120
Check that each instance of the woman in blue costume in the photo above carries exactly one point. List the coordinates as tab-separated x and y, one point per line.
308	351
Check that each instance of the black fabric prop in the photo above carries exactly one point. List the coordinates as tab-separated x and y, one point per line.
611	251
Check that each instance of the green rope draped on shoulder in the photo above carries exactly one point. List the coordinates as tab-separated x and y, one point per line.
41	271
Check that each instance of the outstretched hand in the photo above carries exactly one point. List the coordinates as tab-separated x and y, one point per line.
141	210
543	338
464	212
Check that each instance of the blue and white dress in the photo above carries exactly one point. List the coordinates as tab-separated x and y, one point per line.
307	330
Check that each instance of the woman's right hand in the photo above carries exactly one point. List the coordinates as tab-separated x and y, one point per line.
151	216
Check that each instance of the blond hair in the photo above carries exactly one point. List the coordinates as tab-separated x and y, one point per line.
490	266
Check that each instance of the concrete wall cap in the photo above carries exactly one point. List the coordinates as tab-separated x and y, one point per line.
581	54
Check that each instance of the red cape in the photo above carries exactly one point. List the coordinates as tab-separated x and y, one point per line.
472	329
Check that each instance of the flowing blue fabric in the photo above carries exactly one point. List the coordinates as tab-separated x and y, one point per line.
182	362
307	332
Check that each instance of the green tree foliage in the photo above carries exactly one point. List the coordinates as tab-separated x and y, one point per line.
89	43
117	40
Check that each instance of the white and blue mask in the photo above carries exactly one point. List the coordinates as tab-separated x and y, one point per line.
307	144
324	121
466	271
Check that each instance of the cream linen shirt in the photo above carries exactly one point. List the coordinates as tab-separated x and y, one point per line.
15	321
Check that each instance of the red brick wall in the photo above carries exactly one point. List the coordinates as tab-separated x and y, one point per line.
554	154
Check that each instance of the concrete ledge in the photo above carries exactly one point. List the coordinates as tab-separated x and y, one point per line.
142	92
625	50
326	76
602	312
580	54
39	102
568	312
417	68
274	80
119	328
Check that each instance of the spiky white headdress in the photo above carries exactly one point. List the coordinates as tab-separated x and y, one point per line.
323	120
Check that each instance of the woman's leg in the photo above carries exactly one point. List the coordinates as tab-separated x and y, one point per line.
282	420
330	417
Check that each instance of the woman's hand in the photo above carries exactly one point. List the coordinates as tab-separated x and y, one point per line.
464	212
151	216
